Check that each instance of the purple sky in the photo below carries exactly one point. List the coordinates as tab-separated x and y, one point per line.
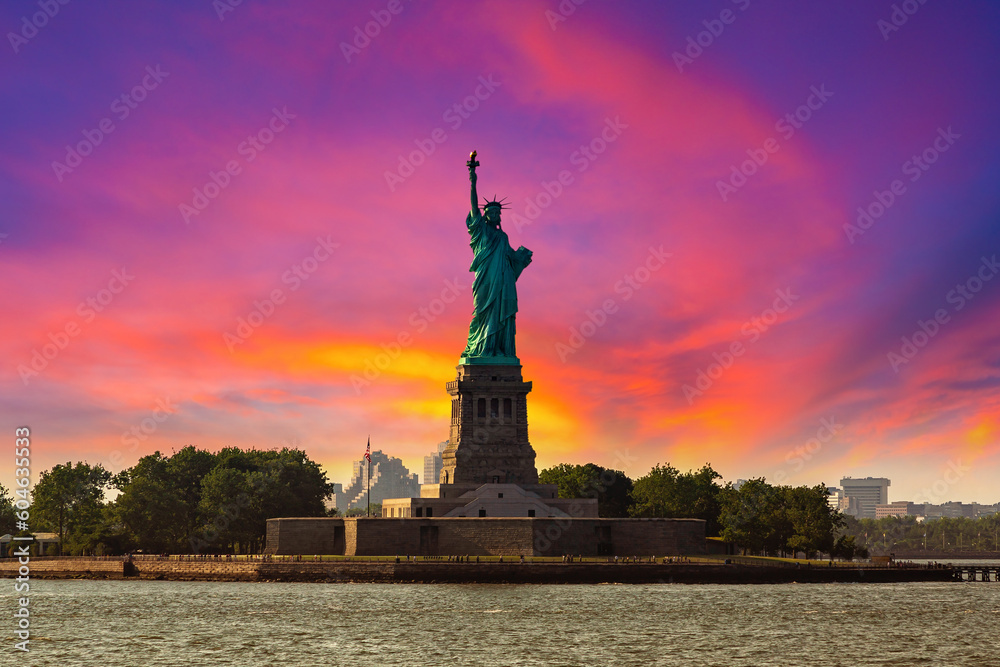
270	166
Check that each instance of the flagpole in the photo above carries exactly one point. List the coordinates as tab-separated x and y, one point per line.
368	512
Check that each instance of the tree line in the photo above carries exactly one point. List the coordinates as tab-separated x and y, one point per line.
757	517
192	501
195	501
904	534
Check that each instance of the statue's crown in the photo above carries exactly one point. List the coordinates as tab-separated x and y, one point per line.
502	204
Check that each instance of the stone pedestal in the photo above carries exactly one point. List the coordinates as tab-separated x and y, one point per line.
488	443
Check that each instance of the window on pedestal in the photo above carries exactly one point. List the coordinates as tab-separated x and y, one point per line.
494	408
508	411
481	408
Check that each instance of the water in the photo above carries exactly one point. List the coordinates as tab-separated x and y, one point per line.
154	623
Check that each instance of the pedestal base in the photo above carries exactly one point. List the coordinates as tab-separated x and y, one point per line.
488	442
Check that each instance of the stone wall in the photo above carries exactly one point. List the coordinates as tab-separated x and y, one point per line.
619	537
467	572
209	570
309	535
363	536
59	567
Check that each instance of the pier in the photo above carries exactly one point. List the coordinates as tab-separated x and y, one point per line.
976	572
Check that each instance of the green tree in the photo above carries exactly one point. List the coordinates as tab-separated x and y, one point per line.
811	522
844	548
69	499
7	518
245	488
611	488
158	508
666	492
749	515
759	517
376	510
149	508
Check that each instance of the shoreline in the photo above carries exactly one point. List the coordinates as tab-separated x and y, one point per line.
463	572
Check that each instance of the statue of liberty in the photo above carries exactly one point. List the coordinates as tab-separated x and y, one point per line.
497	267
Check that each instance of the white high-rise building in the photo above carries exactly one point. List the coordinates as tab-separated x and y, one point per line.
869	492
433	465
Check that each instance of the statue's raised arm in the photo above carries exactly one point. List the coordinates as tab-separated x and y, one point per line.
472	164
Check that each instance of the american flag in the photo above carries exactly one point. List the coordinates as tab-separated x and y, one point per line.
368	451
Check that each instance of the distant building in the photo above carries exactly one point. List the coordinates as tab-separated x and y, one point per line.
833	496
433	465
986	510
840	502
389	479
957	510
45	544
849	505
869	492
338	491
898	508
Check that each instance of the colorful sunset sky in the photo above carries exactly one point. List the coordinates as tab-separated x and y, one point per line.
244	226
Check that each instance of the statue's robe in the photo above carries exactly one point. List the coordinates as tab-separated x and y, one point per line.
497	267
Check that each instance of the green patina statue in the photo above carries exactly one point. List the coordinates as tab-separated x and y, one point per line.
497	267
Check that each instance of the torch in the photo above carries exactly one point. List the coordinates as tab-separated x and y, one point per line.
472	163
